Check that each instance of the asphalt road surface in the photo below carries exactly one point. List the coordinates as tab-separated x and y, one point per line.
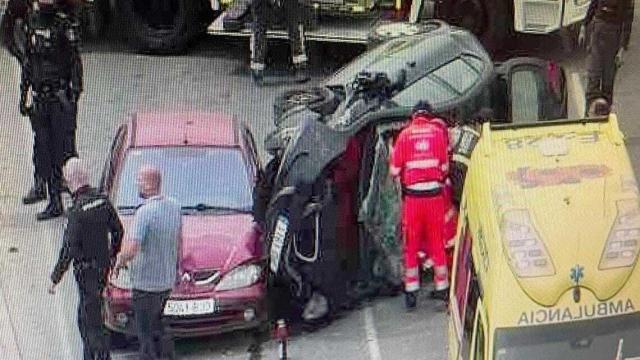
212	77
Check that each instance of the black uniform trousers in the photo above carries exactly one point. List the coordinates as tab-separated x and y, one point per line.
601	65
148	308
292	11
95	338
54	125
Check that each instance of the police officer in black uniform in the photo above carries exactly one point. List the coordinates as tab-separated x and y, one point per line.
608	25
92	239
292	10
52	74
14	39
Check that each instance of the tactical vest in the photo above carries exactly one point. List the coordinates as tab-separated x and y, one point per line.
48	52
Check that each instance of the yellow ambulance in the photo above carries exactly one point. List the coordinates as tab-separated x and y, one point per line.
547	245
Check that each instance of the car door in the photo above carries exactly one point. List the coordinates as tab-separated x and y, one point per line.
113	159
529	90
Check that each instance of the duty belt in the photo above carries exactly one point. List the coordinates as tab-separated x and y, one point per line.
85	265
47	89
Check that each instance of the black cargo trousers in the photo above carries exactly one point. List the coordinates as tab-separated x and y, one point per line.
95	338
603	46
53	121
294	20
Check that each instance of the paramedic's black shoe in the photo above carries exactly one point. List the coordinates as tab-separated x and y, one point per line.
440	294
410	300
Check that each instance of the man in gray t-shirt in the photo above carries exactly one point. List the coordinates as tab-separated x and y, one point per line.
151	249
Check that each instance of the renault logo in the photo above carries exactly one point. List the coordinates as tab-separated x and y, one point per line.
186	277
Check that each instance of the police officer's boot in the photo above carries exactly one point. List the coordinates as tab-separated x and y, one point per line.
54	209
301	73
410	300
37	193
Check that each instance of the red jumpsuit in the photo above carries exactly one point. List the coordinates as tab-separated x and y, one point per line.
420	159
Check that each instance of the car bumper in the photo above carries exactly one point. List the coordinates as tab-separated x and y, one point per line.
235	310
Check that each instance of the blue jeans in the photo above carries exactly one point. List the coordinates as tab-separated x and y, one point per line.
148	308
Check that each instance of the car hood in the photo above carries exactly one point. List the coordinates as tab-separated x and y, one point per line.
216	242
576	186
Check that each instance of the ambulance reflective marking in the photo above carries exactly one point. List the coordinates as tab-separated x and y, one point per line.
588	137
603	309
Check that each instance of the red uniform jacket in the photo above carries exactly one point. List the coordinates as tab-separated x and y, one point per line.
420	154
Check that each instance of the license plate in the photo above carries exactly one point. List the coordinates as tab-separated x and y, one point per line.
277	243
189	307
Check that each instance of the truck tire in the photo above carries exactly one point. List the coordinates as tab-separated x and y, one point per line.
166	31
489	20
318	99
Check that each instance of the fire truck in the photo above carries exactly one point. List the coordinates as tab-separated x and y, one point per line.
168	26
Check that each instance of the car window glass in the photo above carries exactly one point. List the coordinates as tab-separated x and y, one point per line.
525	101
444	84
203	175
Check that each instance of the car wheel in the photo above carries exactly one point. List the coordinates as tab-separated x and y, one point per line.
120	341
318	99
392	30
164	26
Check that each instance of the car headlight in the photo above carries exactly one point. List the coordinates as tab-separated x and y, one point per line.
240	277
123	281
527	253
623	243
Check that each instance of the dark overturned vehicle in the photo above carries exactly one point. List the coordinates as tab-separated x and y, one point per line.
333	219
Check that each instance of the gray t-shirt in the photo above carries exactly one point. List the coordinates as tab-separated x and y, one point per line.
156	227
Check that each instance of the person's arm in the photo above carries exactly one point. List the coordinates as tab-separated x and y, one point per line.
72	34
397	158
117	232
591	12
132	243
627	25
70	247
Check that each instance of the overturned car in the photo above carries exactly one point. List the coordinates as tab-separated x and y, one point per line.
333	218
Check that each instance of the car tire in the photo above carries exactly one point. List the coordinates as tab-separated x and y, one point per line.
392	30
318	99
120	341
95	16
189	18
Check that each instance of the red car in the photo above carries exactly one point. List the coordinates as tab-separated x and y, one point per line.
209	164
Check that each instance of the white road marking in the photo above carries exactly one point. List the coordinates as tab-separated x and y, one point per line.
577	94
372	335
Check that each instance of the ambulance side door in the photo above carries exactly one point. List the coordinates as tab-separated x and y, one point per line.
465	296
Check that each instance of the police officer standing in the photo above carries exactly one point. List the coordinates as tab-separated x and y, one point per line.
52	73
608	25
92	239
292	10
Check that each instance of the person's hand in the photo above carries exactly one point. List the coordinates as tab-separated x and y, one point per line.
619	57
52	289
582	36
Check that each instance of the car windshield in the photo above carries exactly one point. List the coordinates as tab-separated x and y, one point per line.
614	338
445	84
200	178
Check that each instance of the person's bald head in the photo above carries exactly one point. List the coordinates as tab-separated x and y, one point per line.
76	174
149	181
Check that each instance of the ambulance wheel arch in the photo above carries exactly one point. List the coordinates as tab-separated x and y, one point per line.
163	26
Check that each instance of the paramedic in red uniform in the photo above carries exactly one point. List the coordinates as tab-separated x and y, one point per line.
420	161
